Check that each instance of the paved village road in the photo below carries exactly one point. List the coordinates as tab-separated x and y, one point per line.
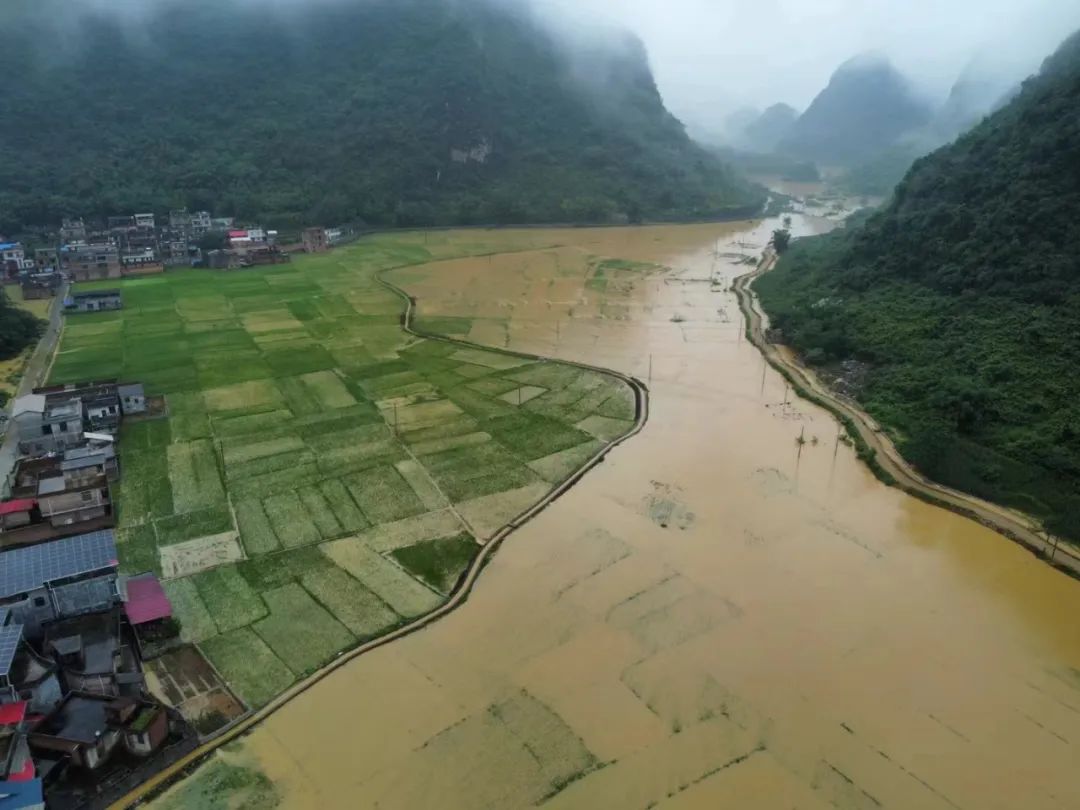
33	376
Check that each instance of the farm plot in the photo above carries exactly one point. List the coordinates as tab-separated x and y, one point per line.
323	476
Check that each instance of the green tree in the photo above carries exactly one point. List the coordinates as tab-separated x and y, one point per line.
781	240
214	240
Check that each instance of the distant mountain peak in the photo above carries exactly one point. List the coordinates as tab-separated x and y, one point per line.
866	61
867	106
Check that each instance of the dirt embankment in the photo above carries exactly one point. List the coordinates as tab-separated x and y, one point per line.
878	450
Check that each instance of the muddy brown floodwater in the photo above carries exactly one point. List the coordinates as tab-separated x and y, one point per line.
717	616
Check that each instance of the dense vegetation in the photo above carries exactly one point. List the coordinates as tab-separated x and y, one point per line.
963	298
865	108
18	328
333	112
878	175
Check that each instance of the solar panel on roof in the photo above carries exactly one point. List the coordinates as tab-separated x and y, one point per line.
24	569
9	643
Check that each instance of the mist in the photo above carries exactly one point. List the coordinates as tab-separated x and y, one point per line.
712	57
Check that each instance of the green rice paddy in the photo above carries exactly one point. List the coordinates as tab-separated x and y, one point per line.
311	485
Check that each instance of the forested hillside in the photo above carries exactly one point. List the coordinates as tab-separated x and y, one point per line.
403	113
866	107
962	296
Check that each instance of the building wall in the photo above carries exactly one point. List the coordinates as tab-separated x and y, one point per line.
134	404
44	697
146	742
32	612
97	304
70	518
92	756
32	440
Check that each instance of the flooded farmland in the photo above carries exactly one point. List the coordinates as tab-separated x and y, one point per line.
730	611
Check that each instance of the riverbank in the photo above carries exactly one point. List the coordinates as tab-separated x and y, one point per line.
878	451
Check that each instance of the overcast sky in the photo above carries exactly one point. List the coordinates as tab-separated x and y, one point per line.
712	56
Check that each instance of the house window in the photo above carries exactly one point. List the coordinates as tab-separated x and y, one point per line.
63	427
87	496
46	430
39	601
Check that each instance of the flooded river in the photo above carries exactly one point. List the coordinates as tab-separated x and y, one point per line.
719	616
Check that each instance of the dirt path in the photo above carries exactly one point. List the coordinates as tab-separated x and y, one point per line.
1014	525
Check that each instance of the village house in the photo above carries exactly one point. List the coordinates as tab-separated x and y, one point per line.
89	727
132	398
59	495
79	727
90	262
72	230
46	259
140	262
143	724
201	222
315	240
40	285
54	418
47	427
97	455
74	497
13	259
95	654
18	513
59	579
221	259
94	301
104	401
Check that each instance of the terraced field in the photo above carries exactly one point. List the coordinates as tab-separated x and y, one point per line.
323	476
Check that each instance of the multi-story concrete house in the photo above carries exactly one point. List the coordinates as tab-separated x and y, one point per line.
83	262
72	230
13	259
47	427
201	222
46	259
140	261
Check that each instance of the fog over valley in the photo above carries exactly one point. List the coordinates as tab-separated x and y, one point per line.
712	57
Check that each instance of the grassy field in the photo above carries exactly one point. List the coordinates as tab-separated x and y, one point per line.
313	484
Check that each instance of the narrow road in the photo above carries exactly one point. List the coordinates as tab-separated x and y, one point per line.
1014	525
33	376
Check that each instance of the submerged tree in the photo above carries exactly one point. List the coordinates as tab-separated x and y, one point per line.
781	239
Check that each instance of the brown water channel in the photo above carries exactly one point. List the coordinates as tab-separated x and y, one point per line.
717	616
